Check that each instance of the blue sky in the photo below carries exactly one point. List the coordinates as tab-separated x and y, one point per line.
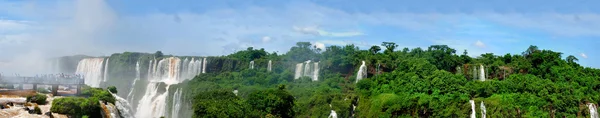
32	28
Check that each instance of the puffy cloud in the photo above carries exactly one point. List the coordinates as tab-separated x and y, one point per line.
320	45
479	44
314	30
583	55
266	39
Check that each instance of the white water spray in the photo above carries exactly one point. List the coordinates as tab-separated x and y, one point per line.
106	69
91	69
176	104
362	72
251	64
130	96
482	73
204	66
473	113
269	66
593	110
483	110
307	68
316	72
298	73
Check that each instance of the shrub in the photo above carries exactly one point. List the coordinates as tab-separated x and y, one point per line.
112	89
37	110
76	106
38	98
99	93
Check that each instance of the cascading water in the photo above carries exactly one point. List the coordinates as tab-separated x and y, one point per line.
316	72
269	66
251	64
204	66
362	72
482	73
130	96
332	114
307	69
91	69
298	73
123	106
473	113
176	104
105	76
483	110
593	110
161	76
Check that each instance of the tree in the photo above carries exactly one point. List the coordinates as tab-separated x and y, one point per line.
572	59
532	49
389	47
273	101
158	54
112	89
375	49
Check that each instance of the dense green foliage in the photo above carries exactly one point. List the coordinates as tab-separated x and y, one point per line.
38	98
77	106
112	89
436	82
87	104
98	93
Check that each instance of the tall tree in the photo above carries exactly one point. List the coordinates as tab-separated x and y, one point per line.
375	49
389	47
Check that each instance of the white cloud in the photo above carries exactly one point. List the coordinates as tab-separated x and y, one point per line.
314	30
583	55
266	39
479	44
320	45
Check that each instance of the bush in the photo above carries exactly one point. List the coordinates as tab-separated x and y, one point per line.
76	106
38	98
102	95
37	110
112	89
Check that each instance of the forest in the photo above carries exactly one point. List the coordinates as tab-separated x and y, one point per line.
437	81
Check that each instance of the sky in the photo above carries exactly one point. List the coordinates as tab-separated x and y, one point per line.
34	29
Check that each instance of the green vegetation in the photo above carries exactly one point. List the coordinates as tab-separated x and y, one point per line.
76	106
38	98
112	89
88	104
432	82
37	110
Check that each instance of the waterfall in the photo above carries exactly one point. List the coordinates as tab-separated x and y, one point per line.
307	68
473	113
362	72
269	66
298	73
332	114
235	92
483	111
91	69
204	66
482	73
176	104
152	104
114	112
316	72
169	71
106	69
251	64
130	96
593	110
123	106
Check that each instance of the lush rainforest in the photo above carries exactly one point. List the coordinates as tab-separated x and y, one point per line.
435	82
